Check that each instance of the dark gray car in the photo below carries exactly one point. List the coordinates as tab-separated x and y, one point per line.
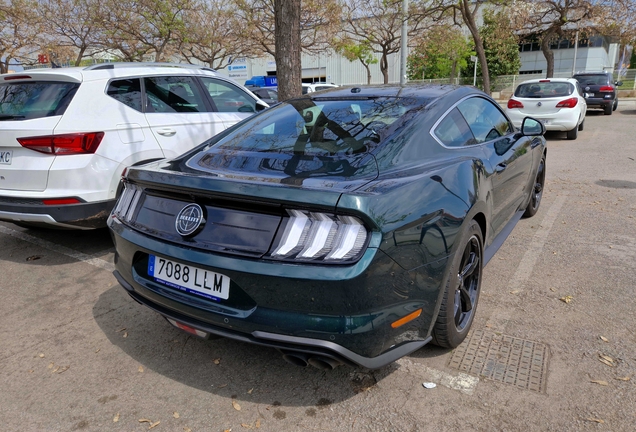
600	90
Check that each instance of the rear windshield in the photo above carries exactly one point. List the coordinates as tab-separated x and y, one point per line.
544	90
587	80
315	126
30	100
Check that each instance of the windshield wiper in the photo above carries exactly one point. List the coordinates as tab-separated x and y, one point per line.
11	117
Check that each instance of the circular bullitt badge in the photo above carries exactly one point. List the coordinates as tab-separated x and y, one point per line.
189	219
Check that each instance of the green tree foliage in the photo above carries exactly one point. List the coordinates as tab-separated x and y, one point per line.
357	51
500	44
442	53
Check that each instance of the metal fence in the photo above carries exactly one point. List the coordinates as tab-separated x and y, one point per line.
507	83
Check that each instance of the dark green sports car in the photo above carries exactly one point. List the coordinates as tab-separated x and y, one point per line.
347	226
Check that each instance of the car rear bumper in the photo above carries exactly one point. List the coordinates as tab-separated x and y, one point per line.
74	216
284	343
348	320
599	102
559	121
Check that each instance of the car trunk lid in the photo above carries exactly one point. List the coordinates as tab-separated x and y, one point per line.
244	197
31	105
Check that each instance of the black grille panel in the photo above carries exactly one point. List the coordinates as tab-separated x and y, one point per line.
229	230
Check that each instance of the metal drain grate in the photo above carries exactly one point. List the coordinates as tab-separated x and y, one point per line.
502	358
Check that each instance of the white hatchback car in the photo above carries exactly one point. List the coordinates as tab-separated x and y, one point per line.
557	102
67	134
310	88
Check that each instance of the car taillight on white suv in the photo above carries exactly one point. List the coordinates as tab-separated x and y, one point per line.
75	143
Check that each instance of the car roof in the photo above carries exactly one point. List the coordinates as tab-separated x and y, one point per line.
428	91
115	70
593	73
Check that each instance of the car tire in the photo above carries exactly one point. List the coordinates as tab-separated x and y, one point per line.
615	105
608	110
572	134
461	294
582	125
537	190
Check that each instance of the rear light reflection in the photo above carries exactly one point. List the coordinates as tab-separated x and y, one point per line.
513	103
568	103
77	143
61	201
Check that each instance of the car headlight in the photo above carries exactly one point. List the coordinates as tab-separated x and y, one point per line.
324	237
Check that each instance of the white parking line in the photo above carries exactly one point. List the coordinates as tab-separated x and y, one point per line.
526	265
97	262
461	382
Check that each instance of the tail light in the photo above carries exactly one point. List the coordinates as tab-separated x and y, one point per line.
127	202
321	237
513	103
568	103
606	88
77	143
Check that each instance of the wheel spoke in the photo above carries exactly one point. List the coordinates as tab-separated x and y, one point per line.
470	267
467	302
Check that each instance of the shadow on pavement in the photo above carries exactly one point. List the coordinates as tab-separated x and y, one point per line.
158	346
62	246
618	184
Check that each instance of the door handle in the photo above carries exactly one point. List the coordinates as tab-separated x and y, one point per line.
501	167
166	132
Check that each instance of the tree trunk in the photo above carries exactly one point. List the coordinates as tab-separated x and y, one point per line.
287	43
80	56
366	66
548	53
384	67
469	20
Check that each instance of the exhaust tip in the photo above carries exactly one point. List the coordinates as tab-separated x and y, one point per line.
296	359
324	363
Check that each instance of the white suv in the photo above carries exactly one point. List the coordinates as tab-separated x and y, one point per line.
67	134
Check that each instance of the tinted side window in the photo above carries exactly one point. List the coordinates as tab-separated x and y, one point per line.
228	98
453	131
126	91
172	94
485	120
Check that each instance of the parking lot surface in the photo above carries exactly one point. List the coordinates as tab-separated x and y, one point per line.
553	345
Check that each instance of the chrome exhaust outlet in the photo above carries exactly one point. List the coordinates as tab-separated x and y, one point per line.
324	363
295	358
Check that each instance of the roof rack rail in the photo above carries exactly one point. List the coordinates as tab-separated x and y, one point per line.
117	65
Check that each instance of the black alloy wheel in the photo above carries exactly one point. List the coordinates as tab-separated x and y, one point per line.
459	303
467	287
537	190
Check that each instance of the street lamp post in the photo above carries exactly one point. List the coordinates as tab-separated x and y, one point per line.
474	59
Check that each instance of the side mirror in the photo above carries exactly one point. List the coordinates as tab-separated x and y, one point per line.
532	127
260	105
618	83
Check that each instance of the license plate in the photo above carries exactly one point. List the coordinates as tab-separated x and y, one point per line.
190	279
5	157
